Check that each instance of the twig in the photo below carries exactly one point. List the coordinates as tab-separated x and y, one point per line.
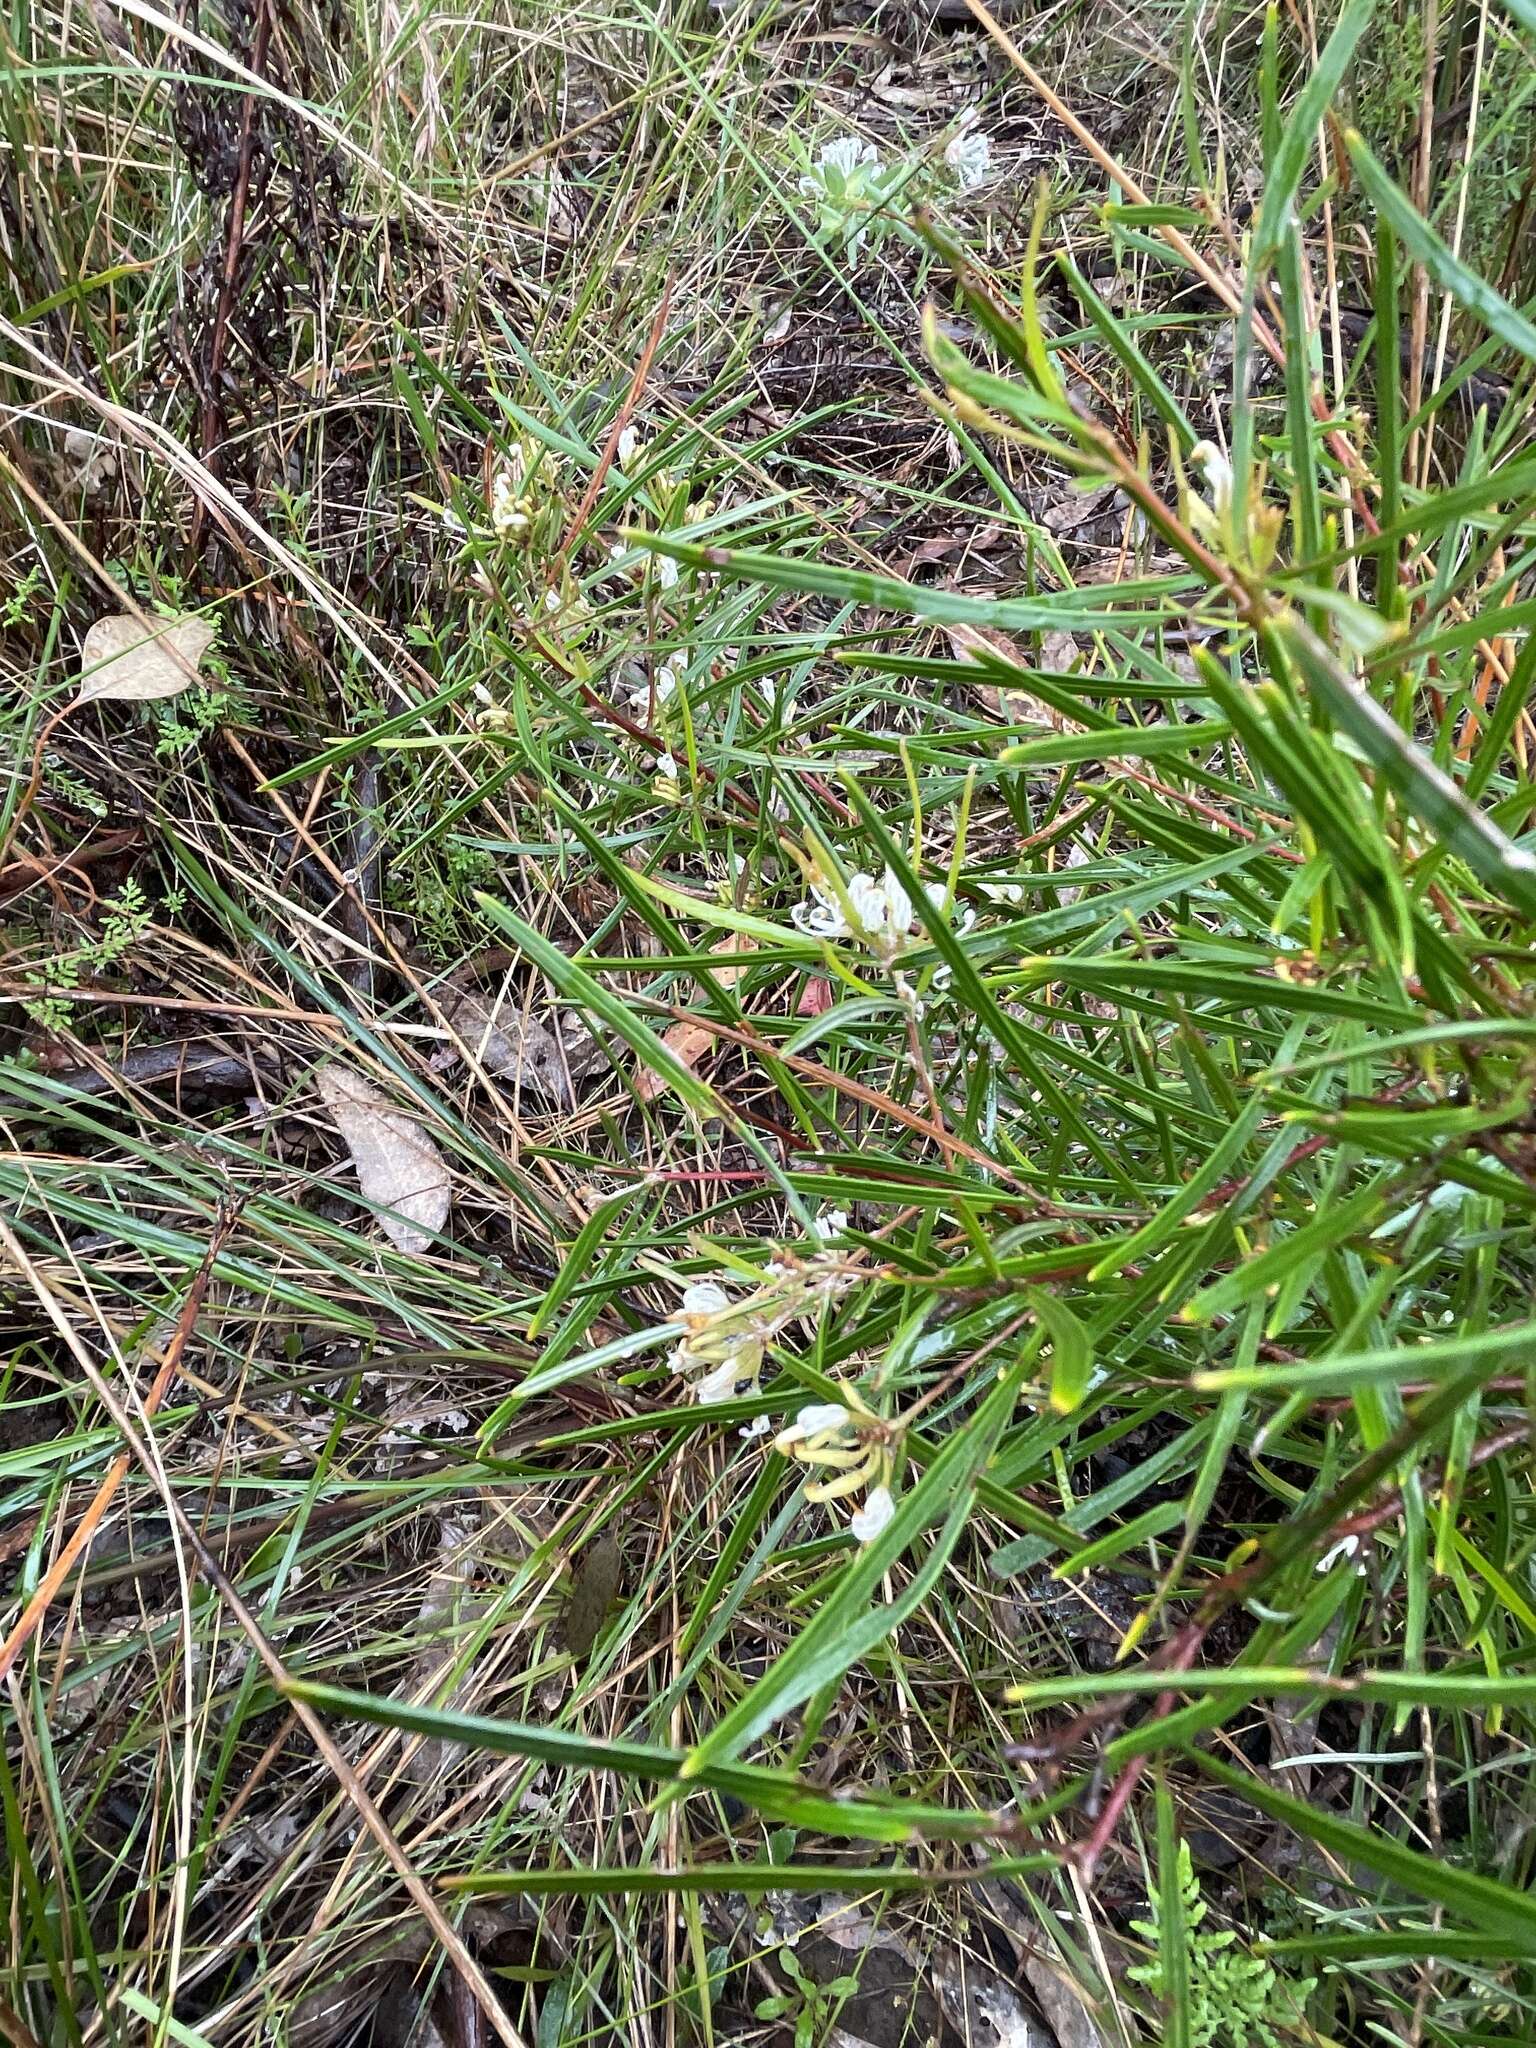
621	421
234	247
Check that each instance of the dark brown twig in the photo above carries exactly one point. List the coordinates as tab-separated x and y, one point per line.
234	244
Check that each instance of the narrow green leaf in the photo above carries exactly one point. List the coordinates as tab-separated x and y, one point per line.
1071	1349
778	1794
1122	743
1283	174
1071	611
1502	1911
1427	791
1446	268
1172	1928
1132	359
724	1879
1333	1225
1515	1343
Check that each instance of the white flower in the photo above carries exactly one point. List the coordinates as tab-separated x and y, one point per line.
818	1418
1346	1546
880	907
822	916
628	447
720	1385
879	913
874	1517
759	1426
509	520
667	571
943	974
830	1223
715	1343
882	910
665	687
666	769
704	1298
969	157
847	155
1217	471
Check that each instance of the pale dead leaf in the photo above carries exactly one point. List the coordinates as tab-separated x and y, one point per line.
92	459
1075	510
690	1042
1059	653
346	1994
508	1042
398	1166
974	643
125	661
982	2007
816	998
1065	2009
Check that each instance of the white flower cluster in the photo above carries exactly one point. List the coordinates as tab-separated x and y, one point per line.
850	1444
516	491
724	1336
509	515
968	154
848	184
846	157
668	681
878	914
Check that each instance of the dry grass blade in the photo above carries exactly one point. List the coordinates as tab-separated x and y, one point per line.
80	1536
356	1793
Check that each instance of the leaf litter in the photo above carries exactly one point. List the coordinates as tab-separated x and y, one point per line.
399	1169
509	1042
123	660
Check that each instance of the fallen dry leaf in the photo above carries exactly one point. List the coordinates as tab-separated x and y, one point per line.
127	662
92	459
690	1042
816	997
1019	707
1078	507
1066	2009
398	1166
598	1575
508	1042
